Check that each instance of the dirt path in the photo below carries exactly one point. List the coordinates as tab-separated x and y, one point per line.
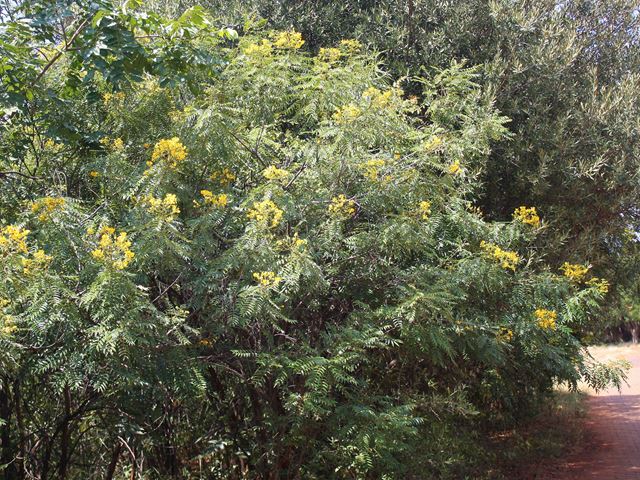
612	433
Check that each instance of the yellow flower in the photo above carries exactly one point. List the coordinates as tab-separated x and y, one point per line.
507	260
291	243
224	176
165	209
546	318
346	114
350	45
94	174
528	216
6	321
329	55
38	262
505	334
425	209
274	173
46	206
13	239
262	49
209	198
266	213
51	145
108	98
371	168
113	250
342	207
170	151
267	279
601	284
433	144
455	168
290	39
377	98
574	272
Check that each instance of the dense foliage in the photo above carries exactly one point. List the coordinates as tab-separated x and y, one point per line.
225	257
564	72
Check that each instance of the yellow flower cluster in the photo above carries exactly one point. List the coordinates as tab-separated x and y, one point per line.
347	114
601	284
171	151
266	212
574	272
262	49
377	98
38	262
117	97
508	260
342	207
165	209
274	173
330	55
371	168
546	318
527	215
291	243
13	239
350	45
424	209
45	207
94	174
8	325
51	145
455	168
267	279
224	176
219	201
116	144
290	39
113	250
505	334
433	144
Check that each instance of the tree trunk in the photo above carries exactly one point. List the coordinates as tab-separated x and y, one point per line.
635	333
115	456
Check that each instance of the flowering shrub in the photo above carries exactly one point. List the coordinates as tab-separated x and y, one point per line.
288	277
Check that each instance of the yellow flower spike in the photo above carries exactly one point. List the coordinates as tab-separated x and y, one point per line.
170	151
266	213
601	284
38	262
425	209
527	215
330	55
275	173
546	318
507	260
13	239
113	250
262	49
342	207
225	176
505	334
347	114
165	209
288	40
455	168
219	201
371	168
46	206
574	272
267	279
350	46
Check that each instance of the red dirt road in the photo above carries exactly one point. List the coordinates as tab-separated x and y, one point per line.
612	429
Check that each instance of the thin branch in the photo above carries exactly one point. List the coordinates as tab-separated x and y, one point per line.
55	58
